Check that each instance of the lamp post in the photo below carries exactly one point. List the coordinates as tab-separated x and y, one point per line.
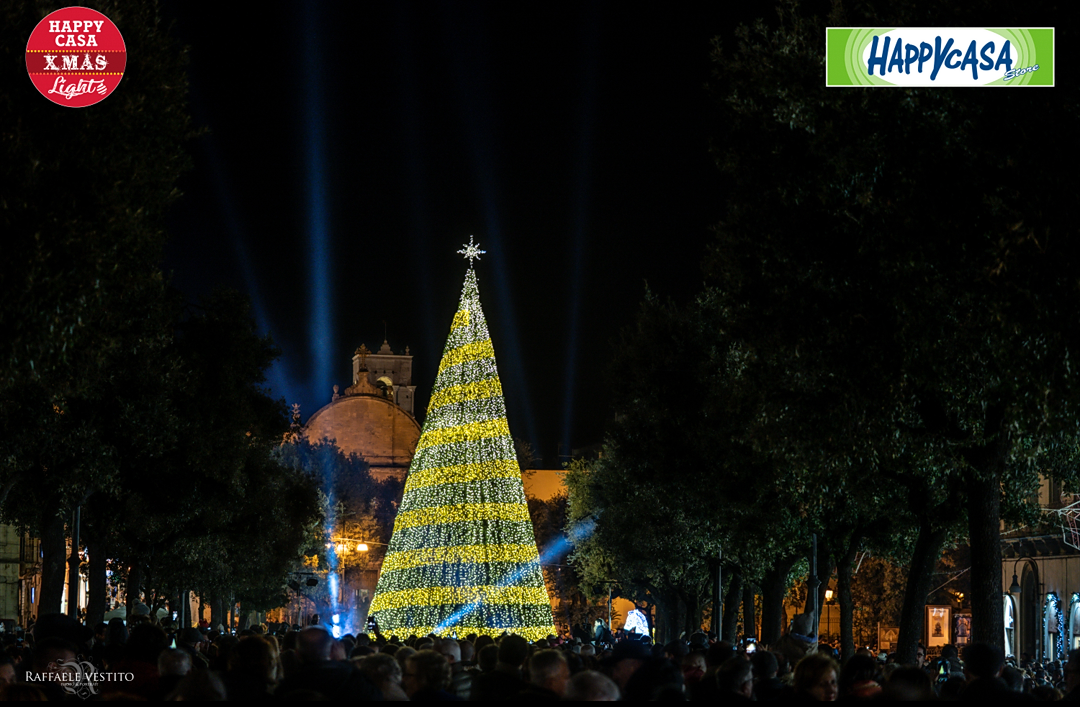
828	605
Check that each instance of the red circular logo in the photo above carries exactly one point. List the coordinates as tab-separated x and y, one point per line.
76	57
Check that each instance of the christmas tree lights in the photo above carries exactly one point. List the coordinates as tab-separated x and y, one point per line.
463	556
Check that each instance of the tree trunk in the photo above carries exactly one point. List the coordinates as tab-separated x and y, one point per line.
773	591
844	566
243	618
749	611
924	559
666	613
216	613
53	562
730	629
825	572
984	532
692	617
97	584
716	627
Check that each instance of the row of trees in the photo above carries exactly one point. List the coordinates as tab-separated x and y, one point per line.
117	399
882	352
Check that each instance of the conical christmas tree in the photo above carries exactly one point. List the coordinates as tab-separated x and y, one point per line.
463	556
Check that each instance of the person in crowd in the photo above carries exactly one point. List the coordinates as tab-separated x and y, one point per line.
625	659
816	678
199	686
191	640
799	640
908	684
657	679
48	666
318	673
427	677
920	656
1013	677
767	685
7	669
505	679
173	665
983	664
460	678
677	650
548	675
386	674
591	686
146	642
860	678
947	665
735	680
694	667
254	669
468	653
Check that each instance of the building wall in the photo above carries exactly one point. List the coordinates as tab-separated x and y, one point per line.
20	576
372	427
1055	574
388	366
9	573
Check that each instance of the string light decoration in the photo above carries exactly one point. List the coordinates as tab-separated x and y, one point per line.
462	557
1053	609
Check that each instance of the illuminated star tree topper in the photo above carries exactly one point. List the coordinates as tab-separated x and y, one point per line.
471	251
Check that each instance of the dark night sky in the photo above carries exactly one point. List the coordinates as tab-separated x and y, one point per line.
571	141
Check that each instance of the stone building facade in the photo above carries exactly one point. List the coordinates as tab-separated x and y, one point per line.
20	577
1040	575
373	417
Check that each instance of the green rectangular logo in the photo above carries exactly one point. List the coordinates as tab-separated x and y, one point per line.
939	56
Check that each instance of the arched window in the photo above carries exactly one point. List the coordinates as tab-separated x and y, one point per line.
1010	626
1074	621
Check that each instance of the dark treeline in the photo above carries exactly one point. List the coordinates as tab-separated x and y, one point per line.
880	356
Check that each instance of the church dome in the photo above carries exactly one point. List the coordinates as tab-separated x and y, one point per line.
371	426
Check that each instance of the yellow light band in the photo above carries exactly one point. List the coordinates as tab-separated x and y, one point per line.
438	596
460	512
469	352
471	432
460	553
460	319
461	393
529	633
460	473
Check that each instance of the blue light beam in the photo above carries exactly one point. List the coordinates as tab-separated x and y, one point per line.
554	549
321	337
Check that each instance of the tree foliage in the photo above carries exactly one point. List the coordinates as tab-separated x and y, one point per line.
901	263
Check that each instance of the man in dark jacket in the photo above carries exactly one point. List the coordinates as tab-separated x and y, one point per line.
460	678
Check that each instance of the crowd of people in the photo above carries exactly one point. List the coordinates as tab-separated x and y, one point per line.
145	659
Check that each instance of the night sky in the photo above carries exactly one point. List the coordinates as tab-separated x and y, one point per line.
352	149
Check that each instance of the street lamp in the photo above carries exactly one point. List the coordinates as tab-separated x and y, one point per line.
828	604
